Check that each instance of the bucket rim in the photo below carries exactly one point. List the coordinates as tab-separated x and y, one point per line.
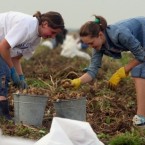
30	95
71	99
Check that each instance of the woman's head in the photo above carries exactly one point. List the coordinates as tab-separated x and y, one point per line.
92	32
50	24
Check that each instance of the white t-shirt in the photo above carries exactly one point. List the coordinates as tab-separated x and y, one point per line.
21	32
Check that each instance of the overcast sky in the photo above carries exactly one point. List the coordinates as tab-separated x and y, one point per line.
77	12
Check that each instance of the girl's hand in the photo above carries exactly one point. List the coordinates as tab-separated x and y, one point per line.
116	78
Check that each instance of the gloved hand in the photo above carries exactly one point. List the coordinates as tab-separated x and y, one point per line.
116	78
15	78
23	84
76	83
67	83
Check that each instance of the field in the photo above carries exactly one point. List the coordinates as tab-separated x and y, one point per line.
109	112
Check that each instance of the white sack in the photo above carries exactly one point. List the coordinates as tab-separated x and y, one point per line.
69	132
62	132
70	48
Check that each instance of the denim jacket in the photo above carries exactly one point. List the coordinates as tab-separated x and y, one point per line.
127	35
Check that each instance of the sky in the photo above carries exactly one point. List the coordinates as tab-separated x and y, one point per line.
77	12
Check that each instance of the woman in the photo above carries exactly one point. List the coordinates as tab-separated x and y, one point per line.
111	40
19	35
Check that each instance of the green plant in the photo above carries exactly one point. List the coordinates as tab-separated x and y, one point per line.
127	139
36	83
108	119
103	136
126	57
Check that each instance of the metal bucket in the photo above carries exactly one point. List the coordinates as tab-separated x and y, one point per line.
29	109
71	108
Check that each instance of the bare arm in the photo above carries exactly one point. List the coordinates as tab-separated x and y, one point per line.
85	78
5	52
131	65
17	64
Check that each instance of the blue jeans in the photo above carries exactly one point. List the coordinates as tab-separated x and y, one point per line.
139	71
4	77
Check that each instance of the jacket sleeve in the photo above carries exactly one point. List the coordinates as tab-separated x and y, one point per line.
126	39
95	64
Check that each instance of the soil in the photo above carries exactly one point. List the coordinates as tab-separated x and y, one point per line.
108	112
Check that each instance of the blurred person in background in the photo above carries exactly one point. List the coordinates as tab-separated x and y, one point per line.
111	40
53	43
19	36
60	37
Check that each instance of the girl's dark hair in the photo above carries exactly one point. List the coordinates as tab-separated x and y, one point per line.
93	28
54	19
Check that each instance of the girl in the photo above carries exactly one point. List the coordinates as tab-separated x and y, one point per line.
19	35
111	40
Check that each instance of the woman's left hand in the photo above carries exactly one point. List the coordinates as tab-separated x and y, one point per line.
116	78
23	84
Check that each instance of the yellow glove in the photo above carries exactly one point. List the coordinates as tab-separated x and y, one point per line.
76	83
67	83
116	77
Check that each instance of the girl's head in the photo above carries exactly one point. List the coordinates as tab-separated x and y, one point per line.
50	24
92	32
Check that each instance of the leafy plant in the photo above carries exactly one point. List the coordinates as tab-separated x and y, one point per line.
36	83
127	139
